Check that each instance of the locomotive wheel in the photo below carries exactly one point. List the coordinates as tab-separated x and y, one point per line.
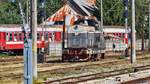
102	55
63	58
93	57
96	58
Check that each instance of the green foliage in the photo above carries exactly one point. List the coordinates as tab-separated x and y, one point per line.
9	13
142	17
113	13
51	7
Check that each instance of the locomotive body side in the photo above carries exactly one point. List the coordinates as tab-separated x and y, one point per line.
83	43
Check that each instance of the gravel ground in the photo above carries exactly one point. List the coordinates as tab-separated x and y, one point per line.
53	72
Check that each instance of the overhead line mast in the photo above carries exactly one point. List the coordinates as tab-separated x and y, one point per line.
133	51
33	26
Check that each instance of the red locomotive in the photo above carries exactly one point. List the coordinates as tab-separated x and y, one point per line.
12	37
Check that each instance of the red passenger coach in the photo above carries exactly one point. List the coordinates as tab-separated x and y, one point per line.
12	37
118	36
118	32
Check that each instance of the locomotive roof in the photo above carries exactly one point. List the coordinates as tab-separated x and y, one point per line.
81	29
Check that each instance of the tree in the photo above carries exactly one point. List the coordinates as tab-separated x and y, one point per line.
113	12
9	13
51	6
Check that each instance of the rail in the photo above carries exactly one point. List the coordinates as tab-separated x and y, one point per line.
79	79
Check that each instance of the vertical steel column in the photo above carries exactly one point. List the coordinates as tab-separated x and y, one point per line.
102	14
43	24
126	22
28	76
102	24
33	27
125	2
133	43
149	27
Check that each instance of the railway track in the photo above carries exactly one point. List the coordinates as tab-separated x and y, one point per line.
11	59
45	69
20	58
84	78
139	81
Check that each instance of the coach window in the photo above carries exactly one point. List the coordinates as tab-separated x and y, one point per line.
20	36
7	36
46	36
38	36
50	35
15	36
10	36
122	35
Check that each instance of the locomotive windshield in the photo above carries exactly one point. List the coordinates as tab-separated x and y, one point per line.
89	22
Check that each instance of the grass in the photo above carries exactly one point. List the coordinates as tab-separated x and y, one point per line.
2	55
121	57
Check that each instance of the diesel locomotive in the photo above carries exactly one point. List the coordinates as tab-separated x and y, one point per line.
83	42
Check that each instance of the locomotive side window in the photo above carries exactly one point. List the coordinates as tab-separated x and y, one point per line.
97	39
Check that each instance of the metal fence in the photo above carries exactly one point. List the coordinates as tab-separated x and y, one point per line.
120	46
55	49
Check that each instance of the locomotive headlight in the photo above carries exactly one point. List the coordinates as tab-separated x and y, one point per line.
89	51
65	52
85	52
